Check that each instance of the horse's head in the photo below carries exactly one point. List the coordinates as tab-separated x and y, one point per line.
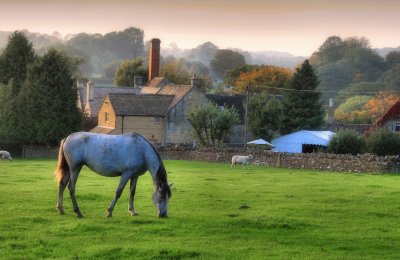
160	199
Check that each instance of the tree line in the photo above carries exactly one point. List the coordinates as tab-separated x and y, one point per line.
38	94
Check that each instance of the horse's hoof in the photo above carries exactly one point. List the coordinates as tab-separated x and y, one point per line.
133	213
79	215
109	216
61	213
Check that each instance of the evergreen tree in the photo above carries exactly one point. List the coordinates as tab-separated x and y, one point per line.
302	107
48	100
15	59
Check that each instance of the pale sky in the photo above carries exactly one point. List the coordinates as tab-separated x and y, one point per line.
295	26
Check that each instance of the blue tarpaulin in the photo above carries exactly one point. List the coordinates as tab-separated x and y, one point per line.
293	143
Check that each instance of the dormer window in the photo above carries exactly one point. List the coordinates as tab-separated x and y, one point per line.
396	126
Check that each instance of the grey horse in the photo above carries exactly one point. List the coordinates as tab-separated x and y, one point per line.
128	155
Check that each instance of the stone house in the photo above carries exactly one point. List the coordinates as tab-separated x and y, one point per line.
158	109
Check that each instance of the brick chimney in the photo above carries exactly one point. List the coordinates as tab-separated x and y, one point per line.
154	59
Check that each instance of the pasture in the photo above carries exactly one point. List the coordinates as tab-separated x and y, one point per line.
215	213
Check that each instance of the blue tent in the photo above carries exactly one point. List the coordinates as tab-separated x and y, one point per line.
294	142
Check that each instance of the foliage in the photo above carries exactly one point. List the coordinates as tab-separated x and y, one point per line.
334	77
211	124
232	75
47	102
378	105
393	58
352	111
225	60
9	117
347	141
360	88
180	71
391	78
302	107
175	71
127	70
15	59
114	46
364	109
206	218
264	116
204	53
263	80
383	142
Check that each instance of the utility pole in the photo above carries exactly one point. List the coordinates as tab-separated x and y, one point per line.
245	118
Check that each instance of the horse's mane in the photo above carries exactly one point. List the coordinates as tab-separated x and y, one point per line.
161	175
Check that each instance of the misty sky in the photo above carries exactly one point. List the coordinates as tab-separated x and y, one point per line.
294	26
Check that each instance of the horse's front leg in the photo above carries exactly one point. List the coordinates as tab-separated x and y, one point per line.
124	179
132	196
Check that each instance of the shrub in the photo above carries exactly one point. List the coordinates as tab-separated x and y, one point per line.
347	141
383	142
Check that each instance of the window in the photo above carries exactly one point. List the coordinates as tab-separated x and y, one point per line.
106	116
397	126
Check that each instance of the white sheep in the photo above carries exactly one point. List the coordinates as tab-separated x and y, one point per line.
240	159
4	155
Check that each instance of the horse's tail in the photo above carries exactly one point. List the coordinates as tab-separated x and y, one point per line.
62	169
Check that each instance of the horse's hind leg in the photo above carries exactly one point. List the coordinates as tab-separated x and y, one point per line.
61	188
71	187
132	195
124	179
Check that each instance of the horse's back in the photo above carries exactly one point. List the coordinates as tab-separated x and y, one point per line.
107	155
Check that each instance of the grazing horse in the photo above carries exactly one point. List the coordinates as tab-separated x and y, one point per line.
128	155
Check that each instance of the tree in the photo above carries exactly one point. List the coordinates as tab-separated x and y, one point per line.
15	59
212	125
360	88
263	80
393	58
264	116
127	70
47	101
8	113
225	60
347	141
334	77
352	111
302	107
330	51
383	142
175	70
391	78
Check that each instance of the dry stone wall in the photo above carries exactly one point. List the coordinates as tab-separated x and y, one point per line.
365	163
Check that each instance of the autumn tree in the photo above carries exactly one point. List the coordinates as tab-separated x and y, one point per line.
302	107
265	79
379	104
352	111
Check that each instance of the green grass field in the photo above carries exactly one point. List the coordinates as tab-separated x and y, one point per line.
215	213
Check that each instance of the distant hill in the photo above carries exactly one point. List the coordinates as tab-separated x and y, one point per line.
384	51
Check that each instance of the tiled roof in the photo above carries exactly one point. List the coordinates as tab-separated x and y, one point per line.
140	104
99	95
157	82
178	91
